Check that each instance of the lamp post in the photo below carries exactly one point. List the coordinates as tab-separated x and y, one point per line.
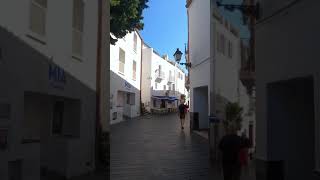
177	56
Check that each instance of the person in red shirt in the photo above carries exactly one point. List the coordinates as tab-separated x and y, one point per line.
182	113
244	152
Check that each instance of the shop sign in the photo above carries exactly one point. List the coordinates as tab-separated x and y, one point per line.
127	85
57	77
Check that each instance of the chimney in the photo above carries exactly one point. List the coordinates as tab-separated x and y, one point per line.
166	57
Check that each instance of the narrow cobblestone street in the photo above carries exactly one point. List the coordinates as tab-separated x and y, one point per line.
156	148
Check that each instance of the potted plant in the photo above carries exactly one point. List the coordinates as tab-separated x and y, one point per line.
233	112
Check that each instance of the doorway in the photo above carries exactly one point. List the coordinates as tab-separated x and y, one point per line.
291	134
163	104
15	170
200	105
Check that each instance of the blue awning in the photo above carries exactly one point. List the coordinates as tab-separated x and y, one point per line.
170	98
173	98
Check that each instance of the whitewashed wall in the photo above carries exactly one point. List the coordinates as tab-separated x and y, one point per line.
207	62
199	46
285	50
118	80
14	16
151	62
146	77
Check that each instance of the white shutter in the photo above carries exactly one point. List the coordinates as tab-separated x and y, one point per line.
77	26
38	13
122	60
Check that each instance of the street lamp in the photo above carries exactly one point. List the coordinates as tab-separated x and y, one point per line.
177	56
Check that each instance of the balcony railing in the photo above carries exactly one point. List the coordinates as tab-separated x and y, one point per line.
170	79
247	76
164	93
160	75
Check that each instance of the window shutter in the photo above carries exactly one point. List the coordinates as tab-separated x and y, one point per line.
38	13
77	24
122	60
134	70
135	39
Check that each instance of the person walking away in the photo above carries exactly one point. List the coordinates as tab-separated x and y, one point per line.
244	154
182	113
230	145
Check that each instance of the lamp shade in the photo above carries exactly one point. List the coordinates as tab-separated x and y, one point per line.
177	55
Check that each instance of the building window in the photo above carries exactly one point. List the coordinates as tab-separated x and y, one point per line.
180	75
77	27
218	42
57	121
135	42
120	99
230	50
1	55
164	87
114	115
223	44
4	138
173	87
122	60
38	16
156	86
128	98
5	111
134	70
131	99
154	103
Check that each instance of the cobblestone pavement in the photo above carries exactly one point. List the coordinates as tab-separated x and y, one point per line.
155	148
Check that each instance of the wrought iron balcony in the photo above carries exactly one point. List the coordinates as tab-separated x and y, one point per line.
247	70
247	76
159	76
170	79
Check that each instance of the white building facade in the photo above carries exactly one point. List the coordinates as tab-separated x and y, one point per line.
163	82
48	76
215	56
125	73
287	88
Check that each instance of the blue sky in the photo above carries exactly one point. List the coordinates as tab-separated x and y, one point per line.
166	25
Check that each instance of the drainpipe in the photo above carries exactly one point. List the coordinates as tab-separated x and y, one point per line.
141	77
98	88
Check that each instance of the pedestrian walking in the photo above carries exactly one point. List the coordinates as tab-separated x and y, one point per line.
182	113
230	145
